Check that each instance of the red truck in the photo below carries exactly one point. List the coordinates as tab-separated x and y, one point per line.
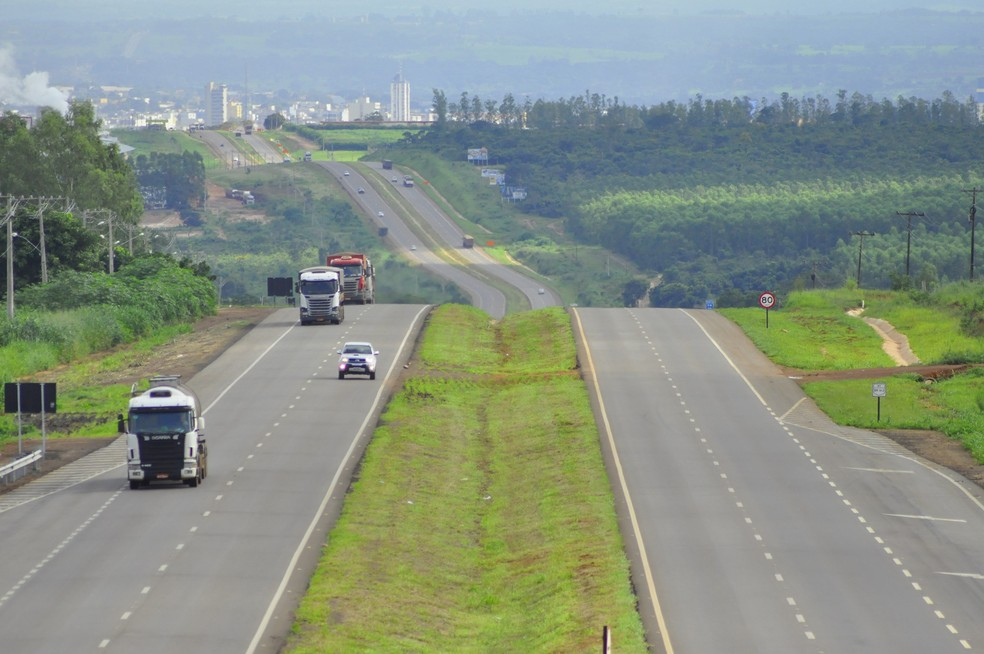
360	276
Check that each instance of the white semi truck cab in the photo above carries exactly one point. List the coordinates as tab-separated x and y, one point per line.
165	434
321	295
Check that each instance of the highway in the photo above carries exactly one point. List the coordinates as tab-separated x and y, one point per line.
434	221
100	568
751	522
756	525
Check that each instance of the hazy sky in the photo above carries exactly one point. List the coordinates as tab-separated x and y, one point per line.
651	51
100	9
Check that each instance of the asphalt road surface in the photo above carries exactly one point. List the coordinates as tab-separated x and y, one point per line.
756	525
101	568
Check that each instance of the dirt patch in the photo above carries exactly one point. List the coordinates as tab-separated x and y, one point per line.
185	356
940	449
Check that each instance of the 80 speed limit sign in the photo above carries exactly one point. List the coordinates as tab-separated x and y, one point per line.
767	300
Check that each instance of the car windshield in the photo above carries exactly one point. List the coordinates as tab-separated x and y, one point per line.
160	422
320	287
358	349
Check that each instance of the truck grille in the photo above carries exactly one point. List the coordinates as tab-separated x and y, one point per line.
161	455
319	306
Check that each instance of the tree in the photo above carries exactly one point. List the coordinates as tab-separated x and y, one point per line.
274	121
440	107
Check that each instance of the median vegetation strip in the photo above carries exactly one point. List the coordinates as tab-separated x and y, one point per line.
481	519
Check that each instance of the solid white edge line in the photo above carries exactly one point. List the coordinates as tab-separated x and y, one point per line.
324	501
644	559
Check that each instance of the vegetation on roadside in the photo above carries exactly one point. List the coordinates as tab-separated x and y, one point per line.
482	519
716	200
812	331
79	314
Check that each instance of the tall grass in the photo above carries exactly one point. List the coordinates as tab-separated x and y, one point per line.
482	520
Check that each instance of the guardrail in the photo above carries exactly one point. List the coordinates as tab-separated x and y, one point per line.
17	469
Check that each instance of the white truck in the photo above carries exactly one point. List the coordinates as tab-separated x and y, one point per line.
321	294
165	434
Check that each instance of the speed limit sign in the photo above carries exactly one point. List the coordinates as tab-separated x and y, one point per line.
767	300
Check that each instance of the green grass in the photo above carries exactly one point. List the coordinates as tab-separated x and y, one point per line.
952	406
84	409
813	332
482	516
174	142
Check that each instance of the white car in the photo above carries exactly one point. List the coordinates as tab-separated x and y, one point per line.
379	213
357	358
413	247
346	173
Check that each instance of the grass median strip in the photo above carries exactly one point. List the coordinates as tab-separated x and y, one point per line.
481	519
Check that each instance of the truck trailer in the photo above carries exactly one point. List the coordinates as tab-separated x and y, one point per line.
360	276
320	295
165	434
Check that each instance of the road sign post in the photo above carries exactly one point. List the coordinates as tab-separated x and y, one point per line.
879	390
767	300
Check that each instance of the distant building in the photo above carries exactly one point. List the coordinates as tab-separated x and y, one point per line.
400	99
216	104
362	109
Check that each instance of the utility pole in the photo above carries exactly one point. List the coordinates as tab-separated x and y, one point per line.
908	229
860	250
973	223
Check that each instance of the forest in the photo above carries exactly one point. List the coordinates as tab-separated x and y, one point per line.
721	199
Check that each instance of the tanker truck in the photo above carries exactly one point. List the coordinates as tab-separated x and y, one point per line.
360	276
165	434
320	295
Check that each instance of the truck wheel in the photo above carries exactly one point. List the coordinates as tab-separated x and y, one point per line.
341	375
372	375
134	484
192	482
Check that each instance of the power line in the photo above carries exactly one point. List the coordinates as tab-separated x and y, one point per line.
860	249
908	228
972	218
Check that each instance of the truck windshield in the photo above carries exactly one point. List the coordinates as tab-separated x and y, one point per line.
320	287
352	271
160	422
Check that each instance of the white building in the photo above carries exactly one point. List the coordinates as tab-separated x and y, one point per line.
400	99
216	104
361	109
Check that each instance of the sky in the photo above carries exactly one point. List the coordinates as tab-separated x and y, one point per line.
101	9
717	61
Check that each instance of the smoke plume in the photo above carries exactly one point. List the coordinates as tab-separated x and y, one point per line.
31	90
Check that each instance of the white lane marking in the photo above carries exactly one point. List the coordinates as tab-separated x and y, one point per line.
302	546
967	575
57	550
922	517
883	470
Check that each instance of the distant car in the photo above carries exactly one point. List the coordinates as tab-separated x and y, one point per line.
361	190
287	159
379	213
346	173
413	247
394	180
541	291
357	358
